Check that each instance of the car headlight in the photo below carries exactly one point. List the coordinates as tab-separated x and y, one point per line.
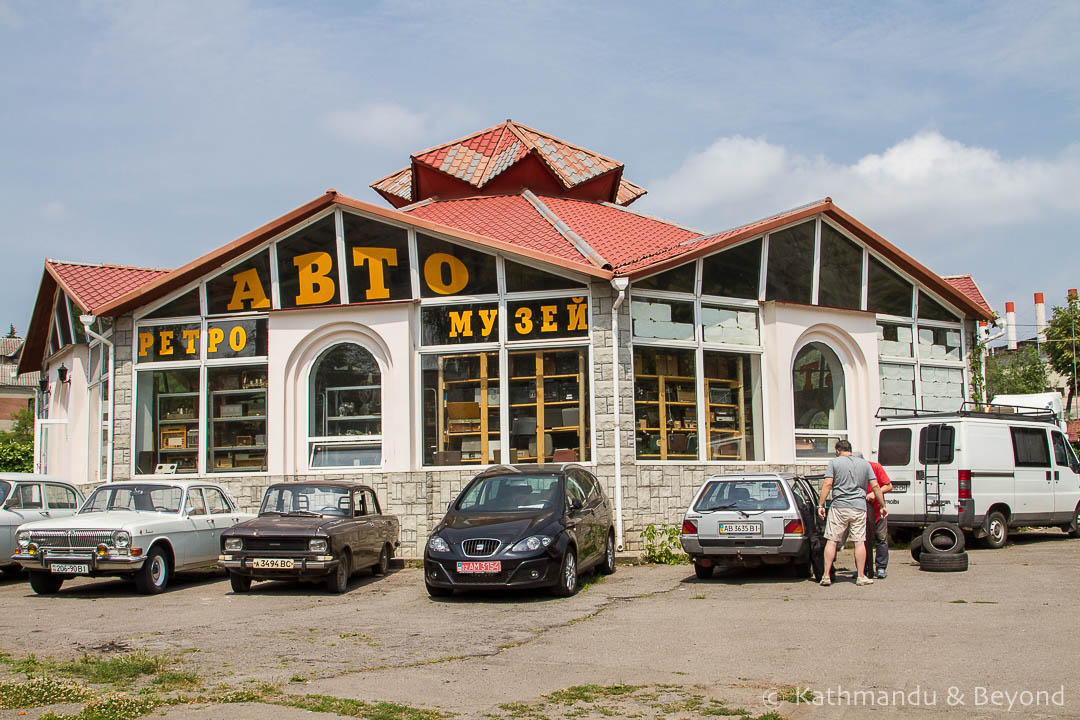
24	538
122	539
233	544
318	545
532	543
437	544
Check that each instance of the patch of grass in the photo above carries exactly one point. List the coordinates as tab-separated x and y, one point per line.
176	680
594	579
121	669
701	597
795	695
589	693
359	708
361	637
112	706
986	602
38	691
958	602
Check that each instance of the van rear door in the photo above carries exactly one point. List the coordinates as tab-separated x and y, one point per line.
894	453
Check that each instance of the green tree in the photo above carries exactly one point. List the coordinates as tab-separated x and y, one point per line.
1062	341
11	331
23	429
1019	373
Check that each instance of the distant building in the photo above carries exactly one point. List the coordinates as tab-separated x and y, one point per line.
16	391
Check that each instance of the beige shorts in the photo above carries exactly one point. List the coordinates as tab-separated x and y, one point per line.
848	521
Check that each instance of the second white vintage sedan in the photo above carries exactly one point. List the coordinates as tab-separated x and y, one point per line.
145	529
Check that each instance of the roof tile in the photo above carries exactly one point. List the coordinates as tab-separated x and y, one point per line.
966	284
91	286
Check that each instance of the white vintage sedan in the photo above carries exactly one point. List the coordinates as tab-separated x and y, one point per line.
147	529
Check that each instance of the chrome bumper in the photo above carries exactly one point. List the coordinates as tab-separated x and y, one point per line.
299	565
109	563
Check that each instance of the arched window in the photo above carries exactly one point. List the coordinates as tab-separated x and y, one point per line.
820	401
345	409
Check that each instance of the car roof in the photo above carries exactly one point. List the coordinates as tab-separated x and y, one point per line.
527	469
180	482
31	477
345	484
753	476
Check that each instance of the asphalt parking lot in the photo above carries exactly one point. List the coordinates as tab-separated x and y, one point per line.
923	644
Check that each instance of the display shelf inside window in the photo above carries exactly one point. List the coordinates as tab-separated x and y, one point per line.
729	434
549	407
178	430
665	404
237	419
467	413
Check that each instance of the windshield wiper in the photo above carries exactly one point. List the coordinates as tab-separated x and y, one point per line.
714	508
304	513
121	507
271	512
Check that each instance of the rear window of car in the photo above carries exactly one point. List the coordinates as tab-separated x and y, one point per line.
936	444
742	495
894	446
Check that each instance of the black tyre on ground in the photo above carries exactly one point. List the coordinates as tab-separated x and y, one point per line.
607	565
338	582
383	566
435	591
239	583
1073	527
703	572
12	571
154	575
939	562
916	548
942	538
44	583
802	568
997	530
568	575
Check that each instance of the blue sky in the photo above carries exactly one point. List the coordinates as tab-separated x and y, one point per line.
148	133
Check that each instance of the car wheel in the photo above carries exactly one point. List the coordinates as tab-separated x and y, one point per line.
436	591
943	538
12	571
703	572
44	583
802	568
239	583
608	565
568	574
383	566
338	581
940	562
916	548
1074	527
997	530
153	576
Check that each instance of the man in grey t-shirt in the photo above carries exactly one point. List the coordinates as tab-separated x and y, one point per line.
847	478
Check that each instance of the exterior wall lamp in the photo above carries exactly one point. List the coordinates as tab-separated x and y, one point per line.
43	386
62	374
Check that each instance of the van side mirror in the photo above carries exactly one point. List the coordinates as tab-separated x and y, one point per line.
1075	467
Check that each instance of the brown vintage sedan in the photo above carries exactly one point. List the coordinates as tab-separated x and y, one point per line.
314	531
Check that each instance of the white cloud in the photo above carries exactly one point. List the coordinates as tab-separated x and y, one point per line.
8	17
381	123
54	210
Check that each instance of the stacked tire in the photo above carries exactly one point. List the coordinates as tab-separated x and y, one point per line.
940	548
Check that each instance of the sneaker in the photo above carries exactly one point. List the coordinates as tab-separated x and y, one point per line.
881	574
864	581
826	581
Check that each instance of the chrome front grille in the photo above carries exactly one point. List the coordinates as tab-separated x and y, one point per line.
71	539
480	547
282	544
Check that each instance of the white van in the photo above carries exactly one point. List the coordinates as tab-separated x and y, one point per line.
986	470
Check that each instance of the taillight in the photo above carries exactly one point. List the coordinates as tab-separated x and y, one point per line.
793	527
964	484
689	527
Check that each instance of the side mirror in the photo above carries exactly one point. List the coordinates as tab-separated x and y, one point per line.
1076	468
576	505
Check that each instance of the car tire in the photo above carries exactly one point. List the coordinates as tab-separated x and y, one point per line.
703	572
997	530
942	562
802	568
383	566
338	582
12	571
568	575
1073	528
942	538
916	548
607	565
44	583
239	583
153	576
435	591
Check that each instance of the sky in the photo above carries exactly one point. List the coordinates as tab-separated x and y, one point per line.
149	133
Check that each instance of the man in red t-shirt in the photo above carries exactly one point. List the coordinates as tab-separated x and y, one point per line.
881	527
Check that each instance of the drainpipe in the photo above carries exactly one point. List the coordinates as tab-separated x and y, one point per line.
87	321
619	284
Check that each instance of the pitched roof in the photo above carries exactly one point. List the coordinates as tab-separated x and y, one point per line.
966	284
90	285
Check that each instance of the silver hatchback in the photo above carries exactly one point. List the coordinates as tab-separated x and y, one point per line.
752	520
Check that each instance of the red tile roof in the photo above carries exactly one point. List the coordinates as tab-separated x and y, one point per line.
966	284
90	286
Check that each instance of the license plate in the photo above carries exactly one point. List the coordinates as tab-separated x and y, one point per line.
69	569
272	564
739	528
490	566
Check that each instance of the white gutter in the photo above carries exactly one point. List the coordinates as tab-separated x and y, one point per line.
619	284
87	321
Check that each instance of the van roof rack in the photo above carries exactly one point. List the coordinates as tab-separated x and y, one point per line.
973	409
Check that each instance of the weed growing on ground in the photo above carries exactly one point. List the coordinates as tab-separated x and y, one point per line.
795	695
38	691
359	708
661	546
176	680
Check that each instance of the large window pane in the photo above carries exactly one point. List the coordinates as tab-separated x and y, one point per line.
168	343
167	421
664	319
942	388
887	292
931	309
939	343
449	269
840	276
346	408
459	324
790	273
549	405
820	400
733	273
236	397
897	386
680	279
186	305
665	404
730	398
729	325
307	266
242	288
894	340
461	409
376	259
522	278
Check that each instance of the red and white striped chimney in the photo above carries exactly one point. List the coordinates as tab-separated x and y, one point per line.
1010	325
1040	318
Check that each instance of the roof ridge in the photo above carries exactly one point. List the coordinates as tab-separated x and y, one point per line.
458	141
80	263
482	168
566	231
644	215
774	216
569	144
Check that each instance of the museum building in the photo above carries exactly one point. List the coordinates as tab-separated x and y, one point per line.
509	307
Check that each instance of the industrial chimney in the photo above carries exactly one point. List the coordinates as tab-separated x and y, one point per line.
1010	324
1040	318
